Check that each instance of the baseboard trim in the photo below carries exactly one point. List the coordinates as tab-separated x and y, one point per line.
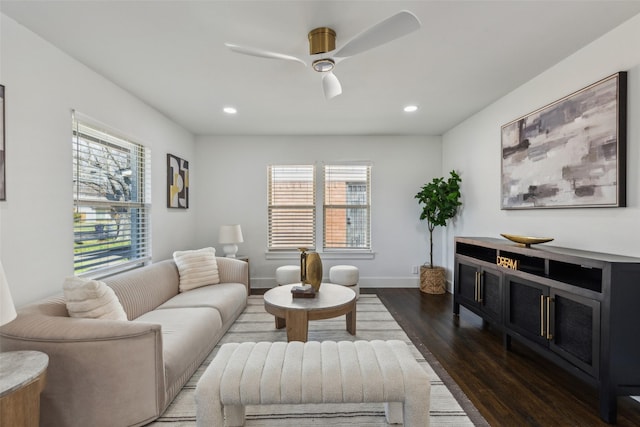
365	282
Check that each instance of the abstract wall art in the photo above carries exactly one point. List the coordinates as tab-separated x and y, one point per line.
568	154
177	182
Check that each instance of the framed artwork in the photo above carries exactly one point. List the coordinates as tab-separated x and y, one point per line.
177	182
569	154
3	176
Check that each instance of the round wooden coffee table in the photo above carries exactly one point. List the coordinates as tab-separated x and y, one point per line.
294	313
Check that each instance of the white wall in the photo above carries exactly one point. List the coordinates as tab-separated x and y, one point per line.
232	188
473	148
43	85
228	174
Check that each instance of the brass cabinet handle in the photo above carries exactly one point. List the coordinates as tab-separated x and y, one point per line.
542	315
549	336
475	288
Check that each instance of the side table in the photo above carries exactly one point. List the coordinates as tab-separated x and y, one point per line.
246	259
22	379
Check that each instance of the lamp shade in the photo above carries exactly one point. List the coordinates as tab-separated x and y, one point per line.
229	235
7	309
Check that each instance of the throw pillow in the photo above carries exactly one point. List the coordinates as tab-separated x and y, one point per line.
92	299
197	268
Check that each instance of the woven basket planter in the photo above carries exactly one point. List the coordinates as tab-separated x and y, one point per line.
433	280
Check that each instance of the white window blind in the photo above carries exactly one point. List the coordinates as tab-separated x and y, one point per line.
112	200
347	207
292	211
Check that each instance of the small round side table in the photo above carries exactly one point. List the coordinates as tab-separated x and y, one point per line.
22	379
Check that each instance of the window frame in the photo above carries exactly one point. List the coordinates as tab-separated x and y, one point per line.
100	196
326	253
366	206
286	172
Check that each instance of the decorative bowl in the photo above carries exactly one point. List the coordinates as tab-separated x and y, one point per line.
527	241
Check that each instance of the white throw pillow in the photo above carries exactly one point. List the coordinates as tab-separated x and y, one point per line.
92	299
197	268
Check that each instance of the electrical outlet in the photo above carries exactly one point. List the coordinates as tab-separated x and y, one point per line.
415	269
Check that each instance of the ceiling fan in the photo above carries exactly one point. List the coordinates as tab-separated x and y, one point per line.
322	47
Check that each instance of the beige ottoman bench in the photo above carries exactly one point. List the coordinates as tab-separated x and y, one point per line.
313	372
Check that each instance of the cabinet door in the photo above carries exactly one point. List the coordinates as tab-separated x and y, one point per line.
575	328
466	283
491	301
526	308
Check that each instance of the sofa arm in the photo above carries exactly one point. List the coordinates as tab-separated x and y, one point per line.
233	270
101	372
43	328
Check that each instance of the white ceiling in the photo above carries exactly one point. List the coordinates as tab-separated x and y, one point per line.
171	54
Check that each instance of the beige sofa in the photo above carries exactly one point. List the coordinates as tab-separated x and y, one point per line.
124	373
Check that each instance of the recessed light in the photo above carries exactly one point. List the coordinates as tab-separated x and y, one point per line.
410	108
229	110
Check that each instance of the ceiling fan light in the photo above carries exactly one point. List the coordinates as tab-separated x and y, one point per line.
331	85
323	65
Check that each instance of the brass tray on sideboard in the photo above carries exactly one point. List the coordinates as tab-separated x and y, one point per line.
527	241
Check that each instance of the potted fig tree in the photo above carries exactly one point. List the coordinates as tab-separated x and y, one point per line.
440	200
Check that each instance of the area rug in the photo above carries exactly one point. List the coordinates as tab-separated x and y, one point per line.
374	322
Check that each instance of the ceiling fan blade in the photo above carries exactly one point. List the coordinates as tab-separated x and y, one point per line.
395	26
262	53
331	85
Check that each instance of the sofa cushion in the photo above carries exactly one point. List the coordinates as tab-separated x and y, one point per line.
143	289
197	268
91	299
228	298
188	336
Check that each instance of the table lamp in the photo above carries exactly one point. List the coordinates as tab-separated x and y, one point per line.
229	236
7	309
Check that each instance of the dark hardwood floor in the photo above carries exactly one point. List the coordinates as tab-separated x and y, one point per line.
509	388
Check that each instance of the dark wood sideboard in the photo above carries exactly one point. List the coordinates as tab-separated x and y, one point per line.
579	309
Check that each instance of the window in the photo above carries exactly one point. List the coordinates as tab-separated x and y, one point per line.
347	207
346	219
112	200
291	205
